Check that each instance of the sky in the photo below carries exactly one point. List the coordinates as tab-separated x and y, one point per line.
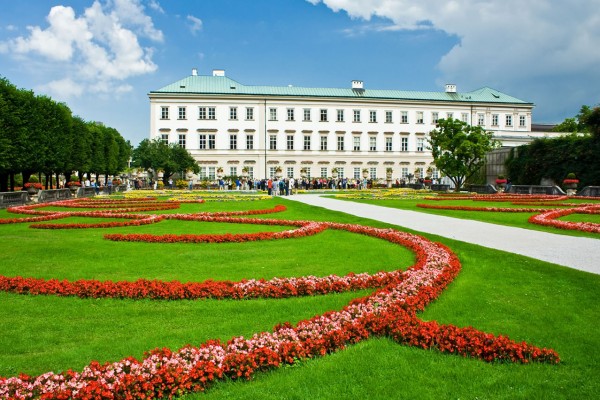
103	57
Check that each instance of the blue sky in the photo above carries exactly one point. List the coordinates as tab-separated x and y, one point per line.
102	57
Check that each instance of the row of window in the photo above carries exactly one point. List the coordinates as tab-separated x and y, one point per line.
323	172
208	142
209	113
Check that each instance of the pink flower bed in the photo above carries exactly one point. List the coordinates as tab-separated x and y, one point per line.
390	311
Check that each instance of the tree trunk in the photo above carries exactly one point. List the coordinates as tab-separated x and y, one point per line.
11	177
4	182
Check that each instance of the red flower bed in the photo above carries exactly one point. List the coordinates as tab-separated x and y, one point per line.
390	311
550	218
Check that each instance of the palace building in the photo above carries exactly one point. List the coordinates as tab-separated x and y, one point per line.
229	125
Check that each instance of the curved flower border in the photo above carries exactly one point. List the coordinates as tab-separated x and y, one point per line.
391	311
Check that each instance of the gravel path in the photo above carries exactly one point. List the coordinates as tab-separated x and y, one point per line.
583	253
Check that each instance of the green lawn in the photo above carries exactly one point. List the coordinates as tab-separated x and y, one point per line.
502	293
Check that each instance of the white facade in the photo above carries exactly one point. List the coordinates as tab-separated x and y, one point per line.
265	127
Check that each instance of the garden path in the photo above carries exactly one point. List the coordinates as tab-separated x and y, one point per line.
573	252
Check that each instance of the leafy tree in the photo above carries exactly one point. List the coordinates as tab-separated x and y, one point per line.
459	149
577	124
170	158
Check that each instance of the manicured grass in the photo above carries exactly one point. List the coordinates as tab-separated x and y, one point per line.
501	218
498	292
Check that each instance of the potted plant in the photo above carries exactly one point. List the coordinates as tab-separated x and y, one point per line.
365	173
278	171
219	172
32	187
427	181
245	172
334	172
74	186
388	172
501	181
570	183
303	172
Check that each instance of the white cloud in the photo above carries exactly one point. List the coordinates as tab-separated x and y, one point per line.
155	5
96	51
195	24
502	43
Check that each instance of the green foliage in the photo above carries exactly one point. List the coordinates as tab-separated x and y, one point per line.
580	123
158	155
459	149
554	159
38	134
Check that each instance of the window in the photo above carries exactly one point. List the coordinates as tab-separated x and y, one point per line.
434	173
388	116
250	113
232	171
290	114
449	115
372	116
340	172
290	172
164	113
464	117
211	144
323	172
340	115
373	173
420	117
250	172
356	116
181	114
202	173
509	120
323	142
201	112
290	142
272	172
521	120
494	119
356	143
340	143
356	173
272	142
249	142
404	173
404	117
181	141
420	144
435	116
233	113
308	174
211	173
404	144
306	142
164	137
307	114
372	143
323	115
480	119
212	114
202	141
388	143
232	141
272	114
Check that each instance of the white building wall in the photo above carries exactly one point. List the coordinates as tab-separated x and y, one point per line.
261	127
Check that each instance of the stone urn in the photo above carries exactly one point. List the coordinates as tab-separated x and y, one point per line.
365	174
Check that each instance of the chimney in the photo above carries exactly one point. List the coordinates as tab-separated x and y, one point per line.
194	71
357	84
450	88
218	72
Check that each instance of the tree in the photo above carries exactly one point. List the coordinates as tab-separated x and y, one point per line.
158	155
578	124
459	149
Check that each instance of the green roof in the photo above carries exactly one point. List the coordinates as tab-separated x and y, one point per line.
222	85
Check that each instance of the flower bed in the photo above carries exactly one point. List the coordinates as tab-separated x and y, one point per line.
390	311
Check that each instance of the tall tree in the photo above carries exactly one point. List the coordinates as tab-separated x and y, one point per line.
170	158
459	149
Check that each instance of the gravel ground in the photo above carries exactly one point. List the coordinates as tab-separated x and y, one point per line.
583	254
